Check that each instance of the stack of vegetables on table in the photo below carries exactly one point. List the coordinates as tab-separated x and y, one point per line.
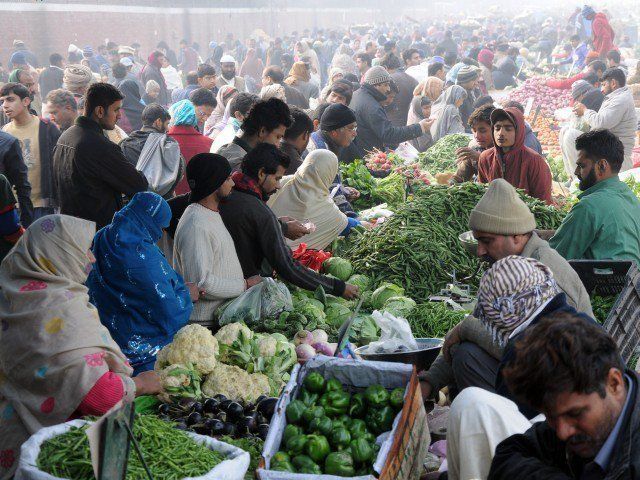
331	431
547	130
167	451
549	99
441	156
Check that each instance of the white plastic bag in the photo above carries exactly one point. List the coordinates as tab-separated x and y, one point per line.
407	152
161	163
267	299
233	468
395	335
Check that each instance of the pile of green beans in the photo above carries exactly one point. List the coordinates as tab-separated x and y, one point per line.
433	319
602	306
441	156
418	248
168	452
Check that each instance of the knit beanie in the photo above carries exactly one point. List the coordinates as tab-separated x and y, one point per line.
376	76
18	58
336	116
87	51
501	211
467	74
206	172
579	88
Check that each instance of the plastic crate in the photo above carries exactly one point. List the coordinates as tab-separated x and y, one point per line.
620	278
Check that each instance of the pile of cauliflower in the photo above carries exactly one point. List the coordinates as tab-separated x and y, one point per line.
235	362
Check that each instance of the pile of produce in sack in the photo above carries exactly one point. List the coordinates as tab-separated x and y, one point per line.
549	99
418	247
441	156
63	452
333	428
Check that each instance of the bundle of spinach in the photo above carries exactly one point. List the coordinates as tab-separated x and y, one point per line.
441	156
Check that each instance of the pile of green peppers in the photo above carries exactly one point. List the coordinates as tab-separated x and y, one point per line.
330	431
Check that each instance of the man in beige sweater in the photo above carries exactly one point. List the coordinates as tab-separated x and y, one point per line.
203	250
503	225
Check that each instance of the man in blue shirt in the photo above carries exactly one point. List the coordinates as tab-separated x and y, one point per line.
578	54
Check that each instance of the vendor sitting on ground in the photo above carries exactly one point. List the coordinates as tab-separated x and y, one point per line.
605	223
57	362
255	229
203	250
571	371
467	157
511	159
504	227
307	195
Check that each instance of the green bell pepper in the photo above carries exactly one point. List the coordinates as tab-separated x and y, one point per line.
280	457
340	438
361	451
376	396
308	398
396	398
317	448
314	382
294	411
358	428
379	420
340	464
333	385
304	464
335	403
283	467
311	413
357	407
322	425
296	445
290	431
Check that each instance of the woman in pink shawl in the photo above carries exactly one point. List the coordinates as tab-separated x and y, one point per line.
251	69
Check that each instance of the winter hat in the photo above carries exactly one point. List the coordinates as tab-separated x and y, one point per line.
587	10
206	172
579	88
227	59
466	74
126	50
436	59
485	57
87	51
126	61
511	292
18	43
376	76
73	49
213	44
336	116
18	58
501	211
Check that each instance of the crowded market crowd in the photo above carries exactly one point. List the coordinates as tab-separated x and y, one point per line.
143	189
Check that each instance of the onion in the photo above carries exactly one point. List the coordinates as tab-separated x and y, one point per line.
320	336
333	347
303	336
304	351
323	348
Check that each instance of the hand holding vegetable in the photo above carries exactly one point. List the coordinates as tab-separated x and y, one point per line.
579	109
464	154
295	229
147	383
350	292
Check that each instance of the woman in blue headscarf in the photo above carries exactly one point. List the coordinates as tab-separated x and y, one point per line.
140	298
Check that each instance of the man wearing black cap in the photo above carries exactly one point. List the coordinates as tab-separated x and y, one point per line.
258	234
203	250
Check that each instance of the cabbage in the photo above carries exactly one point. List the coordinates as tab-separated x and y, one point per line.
364	330
337	314
361	281
399	306
383	293
338	267
314	302
312	312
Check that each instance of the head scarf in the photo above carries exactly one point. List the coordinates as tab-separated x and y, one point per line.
53	348
485	57
511	292
415	111
132	104
298	73
183	113
216	121
335	71
306	197
153	59
76	78
447	115
141	299
273	91
252	65
431	88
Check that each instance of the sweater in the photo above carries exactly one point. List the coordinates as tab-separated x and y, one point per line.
204	254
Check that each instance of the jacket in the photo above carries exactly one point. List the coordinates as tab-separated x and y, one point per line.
191	143
257	235
538	454
399	109
91	174
521	167
617	114
530	139
48	135
13	167
604	224
602	35
239	83
295	160
50	79
151	72
374	128
294	97
234	152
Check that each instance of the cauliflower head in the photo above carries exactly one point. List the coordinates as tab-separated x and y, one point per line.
230	332
267	346
235	383
173	377
193	344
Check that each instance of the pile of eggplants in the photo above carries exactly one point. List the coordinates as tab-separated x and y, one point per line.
218	416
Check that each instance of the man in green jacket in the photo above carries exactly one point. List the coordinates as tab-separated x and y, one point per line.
605	223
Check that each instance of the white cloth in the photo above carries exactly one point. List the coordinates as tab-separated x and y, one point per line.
567	139
204	253
478	421
225	137
617	114
171	77
419	72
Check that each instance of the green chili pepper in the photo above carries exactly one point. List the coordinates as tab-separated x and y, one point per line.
283	467
335	403
379	420
304	464
290	431
308	398
280	457
358	428
296	445
311	413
